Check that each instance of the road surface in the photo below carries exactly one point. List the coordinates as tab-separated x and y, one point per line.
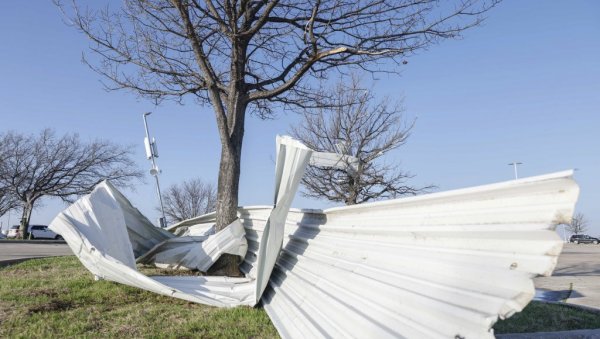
576	277
17	251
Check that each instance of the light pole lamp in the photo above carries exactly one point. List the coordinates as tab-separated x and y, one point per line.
152	154
515	164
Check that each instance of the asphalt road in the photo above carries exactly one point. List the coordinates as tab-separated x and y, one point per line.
576	277
16	251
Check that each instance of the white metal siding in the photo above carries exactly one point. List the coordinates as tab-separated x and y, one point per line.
442	265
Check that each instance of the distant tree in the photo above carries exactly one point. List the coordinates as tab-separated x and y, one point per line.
351	121
189	199
578	224
44	165
252	56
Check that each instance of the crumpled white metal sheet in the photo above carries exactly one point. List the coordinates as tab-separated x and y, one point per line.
95	228
106	233
197	252
291	162
142	234
443	265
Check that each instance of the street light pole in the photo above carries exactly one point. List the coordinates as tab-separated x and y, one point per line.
515	164
152	154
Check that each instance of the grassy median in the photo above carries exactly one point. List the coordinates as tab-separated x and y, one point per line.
57	298
543	317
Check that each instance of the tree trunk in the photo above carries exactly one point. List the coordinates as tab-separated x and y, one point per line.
231	132
354	185
229	182
23	228
227	204
352	191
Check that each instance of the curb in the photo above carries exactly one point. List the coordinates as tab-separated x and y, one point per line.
3	241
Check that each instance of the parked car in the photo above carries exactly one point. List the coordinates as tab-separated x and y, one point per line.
36	231
13	231
583	239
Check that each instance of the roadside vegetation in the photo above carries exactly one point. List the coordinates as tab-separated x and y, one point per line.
544	317
57	298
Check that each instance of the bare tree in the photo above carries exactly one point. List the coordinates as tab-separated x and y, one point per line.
36	166
578	224
242	55
189	199
350	120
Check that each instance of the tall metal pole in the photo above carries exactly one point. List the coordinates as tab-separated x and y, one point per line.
515	164
151	154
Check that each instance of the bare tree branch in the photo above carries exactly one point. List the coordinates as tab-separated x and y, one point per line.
35	166
351	122
578	224
256	56
189	199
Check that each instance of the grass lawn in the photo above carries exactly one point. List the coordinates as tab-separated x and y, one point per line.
543	317
57	297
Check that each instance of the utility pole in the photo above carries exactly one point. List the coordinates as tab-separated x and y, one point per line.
515	164
152	154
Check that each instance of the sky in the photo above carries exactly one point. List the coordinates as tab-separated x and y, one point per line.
524	86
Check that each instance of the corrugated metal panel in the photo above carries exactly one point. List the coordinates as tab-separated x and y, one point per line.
438	265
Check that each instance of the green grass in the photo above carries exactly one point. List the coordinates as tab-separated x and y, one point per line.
544	317
57	298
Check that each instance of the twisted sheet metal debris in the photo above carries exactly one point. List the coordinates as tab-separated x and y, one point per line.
439	265
198	252
107	233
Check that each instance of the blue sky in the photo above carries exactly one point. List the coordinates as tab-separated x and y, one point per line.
525	86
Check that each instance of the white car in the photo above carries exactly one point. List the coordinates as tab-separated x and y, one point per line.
13	231
36	231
